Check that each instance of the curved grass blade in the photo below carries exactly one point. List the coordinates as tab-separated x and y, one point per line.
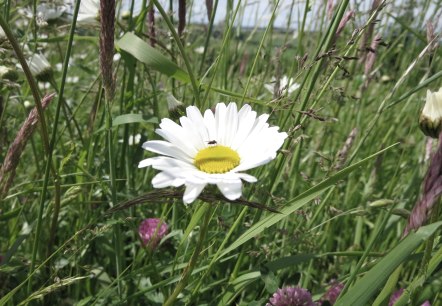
368	285
154	59
296	203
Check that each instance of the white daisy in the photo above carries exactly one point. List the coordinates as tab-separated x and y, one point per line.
212	149
285	83
50	11
88	13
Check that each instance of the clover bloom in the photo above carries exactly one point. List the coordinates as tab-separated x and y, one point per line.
395	296
212	149
430	120
291	296
332	294
151	231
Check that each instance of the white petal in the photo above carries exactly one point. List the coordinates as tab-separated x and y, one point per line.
145	163
231	191
209	122
168	164
197	130
261	150
182	138
220	123
166	148
197	119
192	192
255	136
253	163
163	179
247	177
231	124
246	121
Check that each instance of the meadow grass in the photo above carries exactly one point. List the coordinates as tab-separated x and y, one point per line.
343	183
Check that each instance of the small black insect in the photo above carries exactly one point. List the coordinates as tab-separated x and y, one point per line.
212	142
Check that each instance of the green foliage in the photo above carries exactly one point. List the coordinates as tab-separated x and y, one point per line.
344	182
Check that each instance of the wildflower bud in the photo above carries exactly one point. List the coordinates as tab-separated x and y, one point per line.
7	73
40	67
151	231
175	107
381	203
295	296
430	120
27	104
401	212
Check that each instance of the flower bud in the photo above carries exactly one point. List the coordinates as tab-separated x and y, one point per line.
151	231
7	73
40	67
430	120
175	107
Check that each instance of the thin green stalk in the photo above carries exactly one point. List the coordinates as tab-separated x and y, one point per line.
195	84
370	245
112	175
31	81
301	31
430	241
223	47
209	34
258	52
215	257
51	148
193	260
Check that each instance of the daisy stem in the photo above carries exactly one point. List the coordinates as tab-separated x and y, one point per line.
193	260
177	39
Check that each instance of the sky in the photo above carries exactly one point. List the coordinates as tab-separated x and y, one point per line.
258	12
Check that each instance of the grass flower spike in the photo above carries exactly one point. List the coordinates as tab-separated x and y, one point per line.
213	148
430	120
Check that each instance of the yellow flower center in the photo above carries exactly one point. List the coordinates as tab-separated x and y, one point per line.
216	159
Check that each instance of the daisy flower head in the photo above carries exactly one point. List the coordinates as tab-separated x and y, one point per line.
213	148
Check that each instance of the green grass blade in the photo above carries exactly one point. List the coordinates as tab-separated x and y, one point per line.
367	286
154	59
132	118
297	203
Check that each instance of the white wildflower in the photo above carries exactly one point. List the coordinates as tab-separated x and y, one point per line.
212	149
